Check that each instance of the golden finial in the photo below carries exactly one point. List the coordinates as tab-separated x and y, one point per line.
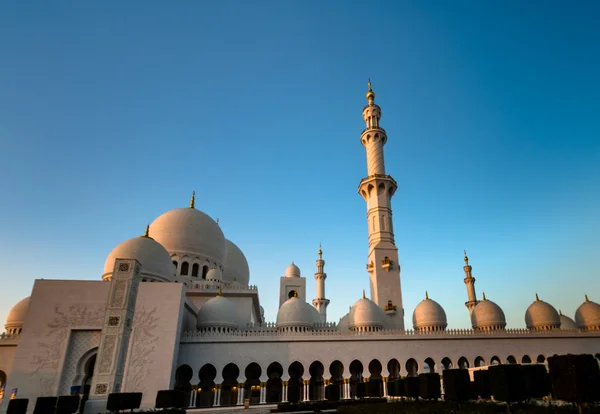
220	292
537	298
426	295
466	258
320	252
193	200
364	296
370	94
586	298
295	293
484	296
147	232
560	312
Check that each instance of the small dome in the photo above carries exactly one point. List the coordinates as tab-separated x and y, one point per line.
365	315
218	312
316	315
342	325
16	316
155	260
295	313
566	323
487	316
292	271
541	315
587	315
190	231
236	266
429	316
214	274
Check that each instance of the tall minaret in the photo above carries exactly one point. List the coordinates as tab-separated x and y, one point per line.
470	282
377	189
320	302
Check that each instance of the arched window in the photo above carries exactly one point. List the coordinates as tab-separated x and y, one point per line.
195	268
291	294
204	271
184	268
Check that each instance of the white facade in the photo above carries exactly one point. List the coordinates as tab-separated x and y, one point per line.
195	322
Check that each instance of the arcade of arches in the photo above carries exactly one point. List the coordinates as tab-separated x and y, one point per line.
297	382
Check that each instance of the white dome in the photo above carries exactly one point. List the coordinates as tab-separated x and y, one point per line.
218	312
316	315
429	316
155	260
190	231
487	316
16	316
214	274
342	325
366	315
235	266
541	315
292	271
587	315
566	323
295	313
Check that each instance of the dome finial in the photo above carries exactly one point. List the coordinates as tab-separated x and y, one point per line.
147	232
466	258
295	293
537	298
586	298
426	295
560	312
193	200
364	296
484	296
370	94
320	252
220	292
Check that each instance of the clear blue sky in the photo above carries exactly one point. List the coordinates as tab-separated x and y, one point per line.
112	112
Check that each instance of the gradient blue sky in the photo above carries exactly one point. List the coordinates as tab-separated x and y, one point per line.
112	112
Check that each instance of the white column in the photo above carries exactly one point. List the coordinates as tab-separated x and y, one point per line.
385	390
193	398
263	392
240	396
305	390
217	399
284	387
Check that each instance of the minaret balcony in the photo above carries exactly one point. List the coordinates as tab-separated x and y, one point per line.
387	264
370	267
372	129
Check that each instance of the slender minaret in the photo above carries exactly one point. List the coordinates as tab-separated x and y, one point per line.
377	189
470	282
320	302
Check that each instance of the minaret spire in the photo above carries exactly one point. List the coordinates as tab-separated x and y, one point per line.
377	190
320	302
193	200
470	283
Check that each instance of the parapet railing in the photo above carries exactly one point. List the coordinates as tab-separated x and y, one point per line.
218	284
9	337
269	330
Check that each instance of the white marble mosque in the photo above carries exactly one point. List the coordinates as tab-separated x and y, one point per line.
174	309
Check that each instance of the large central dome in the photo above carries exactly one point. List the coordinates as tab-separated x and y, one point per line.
190	231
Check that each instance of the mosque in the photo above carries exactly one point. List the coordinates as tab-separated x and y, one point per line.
175	309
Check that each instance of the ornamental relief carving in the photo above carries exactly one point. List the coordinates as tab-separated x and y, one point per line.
44	363
108	351
118	294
